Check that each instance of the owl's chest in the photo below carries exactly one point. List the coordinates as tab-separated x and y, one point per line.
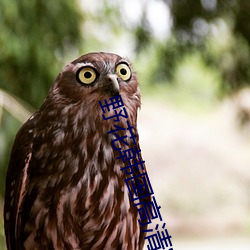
78	189
108	218
98	216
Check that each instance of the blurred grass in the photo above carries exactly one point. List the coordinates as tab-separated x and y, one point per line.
198	167
2	237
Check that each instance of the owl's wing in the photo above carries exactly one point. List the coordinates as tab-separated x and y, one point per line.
17	180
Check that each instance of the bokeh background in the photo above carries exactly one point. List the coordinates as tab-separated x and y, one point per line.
192	60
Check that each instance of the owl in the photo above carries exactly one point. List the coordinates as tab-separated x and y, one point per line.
64	187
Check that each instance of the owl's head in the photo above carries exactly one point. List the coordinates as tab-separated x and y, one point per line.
97	76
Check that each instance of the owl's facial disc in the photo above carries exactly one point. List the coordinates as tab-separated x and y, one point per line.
114	85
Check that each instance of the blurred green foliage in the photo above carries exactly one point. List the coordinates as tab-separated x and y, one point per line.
219	30
34	36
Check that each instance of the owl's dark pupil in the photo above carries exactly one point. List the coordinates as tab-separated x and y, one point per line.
87	75
123	71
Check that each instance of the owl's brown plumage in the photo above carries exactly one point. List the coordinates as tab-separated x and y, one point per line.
64	186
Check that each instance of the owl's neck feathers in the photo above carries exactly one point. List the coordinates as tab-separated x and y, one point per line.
83	127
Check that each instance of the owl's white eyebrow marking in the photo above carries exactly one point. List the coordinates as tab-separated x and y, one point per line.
82	64
75	67
124	60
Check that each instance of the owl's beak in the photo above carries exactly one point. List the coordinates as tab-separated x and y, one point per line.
114	85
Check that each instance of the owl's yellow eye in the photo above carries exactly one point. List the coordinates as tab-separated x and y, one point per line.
123	71
86	75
